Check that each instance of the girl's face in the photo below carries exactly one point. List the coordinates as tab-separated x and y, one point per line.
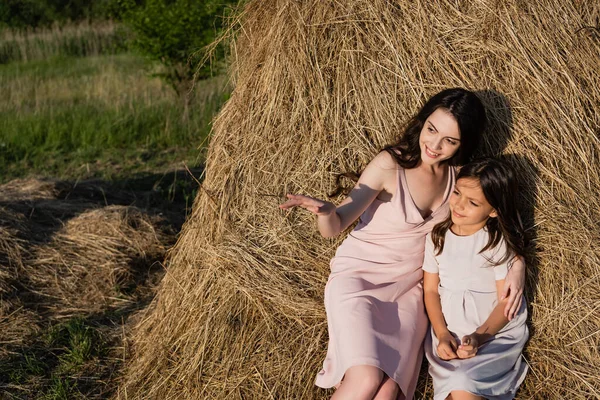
469	207
440	137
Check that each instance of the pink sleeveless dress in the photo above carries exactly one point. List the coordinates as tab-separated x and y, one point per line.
374	295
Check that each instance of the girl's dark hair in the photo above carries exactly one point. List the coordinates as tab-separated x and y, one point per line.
467	110
498	182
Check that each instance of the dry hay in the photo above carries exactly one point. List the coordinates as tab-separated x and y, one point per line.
15	322
320	87
30	189
93	258
63	255
11	245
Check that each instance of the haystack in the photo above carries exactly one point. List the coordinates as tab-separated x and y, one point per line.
62	255
97	258
319	87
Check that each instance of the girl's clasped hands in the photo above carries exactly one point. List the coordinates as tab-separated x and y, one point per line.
449	349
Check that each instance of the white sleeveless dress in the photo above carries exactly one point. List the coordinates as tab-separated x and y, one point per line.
468	296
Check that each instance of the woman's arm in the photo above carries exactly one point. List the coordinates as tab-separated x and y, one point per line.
513	287
379	175
447	345
496	321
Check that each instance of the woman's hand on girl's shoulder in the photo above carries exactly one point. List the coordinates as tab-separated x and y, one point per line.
316	206
513	287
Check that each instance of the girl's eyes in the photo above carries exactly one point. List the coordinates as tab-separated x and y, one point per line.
452	142
430	129
456	192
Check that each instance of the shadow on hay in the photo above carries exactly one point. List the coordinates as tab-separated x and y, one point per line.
35	213
85	351
35	210
498	136
161	193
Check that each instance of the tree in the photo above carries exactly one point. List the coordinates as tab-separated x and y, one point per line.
175	32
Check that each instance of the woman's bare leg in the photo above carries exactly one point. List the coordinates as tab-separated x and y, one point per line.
463	395
360	383
388	390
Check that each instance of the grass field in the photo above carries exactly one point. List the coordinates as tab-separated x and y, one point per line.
78	108
103	115
81	39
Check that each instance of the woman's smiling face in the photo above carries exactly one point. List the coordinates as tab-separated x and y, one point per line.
440	137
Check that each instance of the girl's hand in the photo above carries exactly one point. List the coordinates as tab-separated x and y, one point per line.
468	347
313	205
447	347
513	287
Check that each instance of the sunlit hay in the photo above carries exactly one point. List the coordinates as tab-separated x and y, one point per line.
30	189
97	257
320	87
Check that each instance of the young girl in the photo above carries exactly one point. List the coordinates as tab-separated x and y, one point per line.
473	350
374	297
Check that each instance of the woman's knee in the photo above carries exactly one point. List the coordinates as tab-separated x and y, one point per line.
463	395
364	379
389	390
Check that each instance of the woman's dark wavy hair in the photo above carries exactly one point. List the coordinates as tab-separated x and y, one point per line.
499	184
467	110
462	104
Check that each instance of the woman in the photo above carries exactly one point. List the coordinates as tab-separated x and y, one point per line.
374	296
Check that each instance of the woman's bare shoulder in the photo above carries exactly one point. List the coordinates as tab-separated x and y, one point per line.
382	172
385	161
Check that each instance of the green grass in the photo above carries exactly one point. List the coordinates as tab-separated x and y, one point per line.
67	68
80	40
104	116
77	341
60	354
61	389
28	365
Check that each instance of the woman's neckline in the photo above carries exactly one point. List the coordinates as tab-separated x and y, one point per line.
446	194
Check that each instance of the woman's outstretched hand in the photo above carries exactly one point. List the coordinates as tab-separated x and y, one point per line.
316	206
513	287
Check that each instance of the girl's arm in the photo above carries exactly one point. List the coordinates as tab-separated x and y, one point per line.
447	344
513	287
332	220
496	321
